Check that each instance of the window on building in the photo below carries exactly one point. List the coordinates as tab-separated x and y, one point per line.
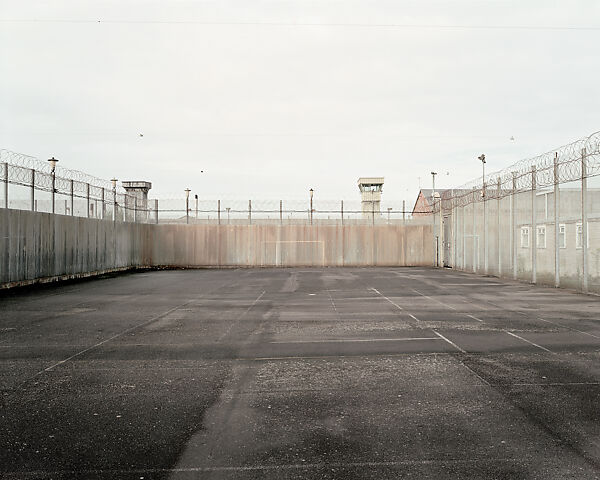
525	237
562	236
541	236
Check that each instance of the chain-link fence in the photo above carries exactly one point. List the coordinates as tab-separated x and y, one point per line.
27	183
537	220
318	211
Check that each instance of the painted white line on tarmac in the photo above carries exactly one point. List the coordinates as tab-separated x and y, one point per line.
433	299
569	328
405	339
381	294
241	316
449	341
474	317
243	468
527	341
153	319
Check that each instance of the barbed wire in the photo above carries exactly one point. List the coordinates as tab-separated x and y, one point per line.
27	163
560	165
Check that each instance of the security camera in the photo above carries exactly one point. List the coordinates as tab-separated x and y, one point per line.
482	157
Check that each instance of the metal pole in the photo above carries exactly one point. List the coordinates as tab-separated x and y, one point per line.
72	195
584	221
6	185
404	212
475	242
513	224
218	212
454	211
87	196
134	209
464	235
280	212
342	211
156	209
250	212
187	209
196	200
435	237
485	228
498	232
114	205
311	210
33	190
103	206
53	189
556	225
533	235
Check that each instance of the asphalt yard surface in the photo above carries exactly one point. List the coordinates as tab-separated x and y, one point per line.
373	373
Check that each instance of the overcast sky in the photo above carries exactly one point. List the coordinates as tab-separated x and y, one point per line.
272	98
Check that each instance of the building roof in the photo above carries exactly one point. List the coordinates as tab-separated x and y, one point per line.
370	181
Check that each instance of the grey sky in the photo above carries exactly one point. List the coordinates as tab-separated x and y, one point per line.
269	109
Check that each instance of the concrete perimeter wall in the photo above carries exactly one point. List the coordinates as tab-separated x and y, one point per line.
42	247
292	245
38	246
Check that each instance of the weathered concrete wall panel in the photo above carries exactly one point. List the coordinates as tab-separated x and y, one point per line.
36	246
291	245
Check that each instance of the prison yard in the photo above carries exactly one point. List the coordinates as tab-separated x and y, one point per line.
289	373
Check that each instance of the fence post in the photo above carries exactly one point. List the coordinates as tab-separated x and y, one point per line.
454	211
464	233
498	232
513	225
342	211
280	212
533	235
72	195
485	230
156	209
114	205
33	190
6	185
404	212
87	196
218	212
250	212
556	225
584	221
475	245
134	209
103	206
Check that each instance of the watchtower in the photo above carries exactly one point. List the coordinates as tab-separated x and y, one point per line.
370	192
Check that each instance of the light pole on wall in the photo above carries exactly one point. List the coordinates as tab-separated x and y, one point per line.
311	191
482	158
485	239
53	162
187	205
114	189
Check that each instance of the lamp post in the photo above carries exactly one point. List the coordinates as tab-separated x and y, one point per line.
311	191
114	189
53	162
482	158
187	205
485	226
